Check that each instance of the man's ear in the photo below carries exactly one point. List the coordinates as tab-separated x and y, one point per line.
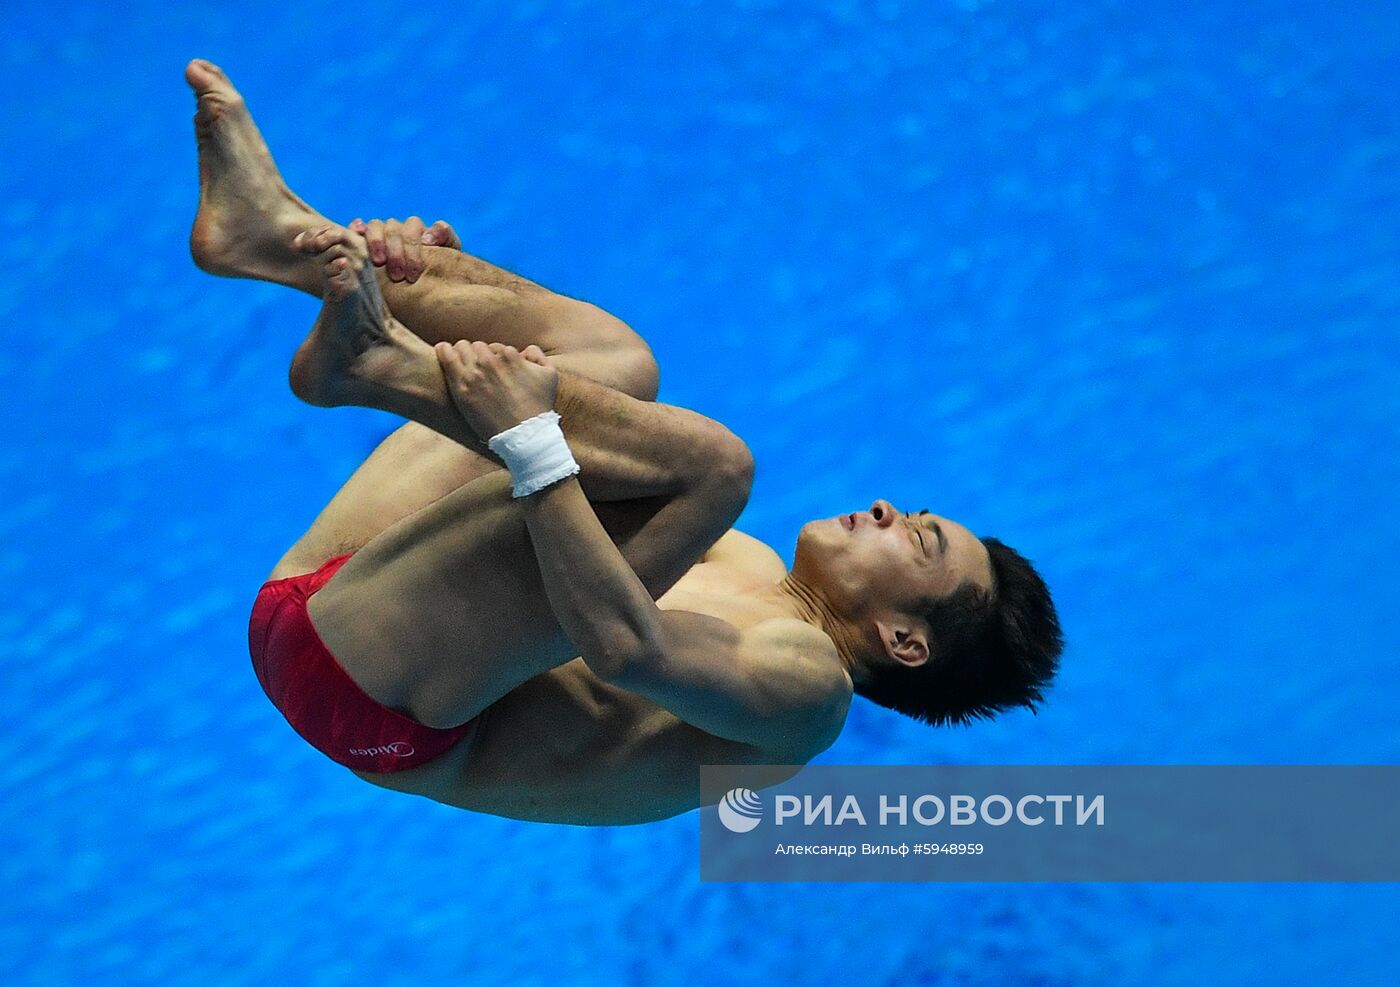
903	642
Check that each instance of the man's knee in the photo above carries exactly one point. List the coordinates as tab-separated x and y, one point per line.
624	365
630	362
594	343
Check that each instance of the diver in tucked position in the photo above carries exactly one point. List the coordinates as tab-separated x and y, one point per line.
569	638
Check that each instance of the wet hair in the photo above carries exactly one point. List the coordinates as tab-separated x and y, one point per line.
990	651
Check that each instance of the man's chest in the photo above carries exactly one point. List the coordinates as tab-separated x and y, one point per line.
709	589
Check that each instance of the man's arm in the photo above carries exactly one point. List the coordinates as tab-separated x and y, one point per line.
773	687
778	686
648	467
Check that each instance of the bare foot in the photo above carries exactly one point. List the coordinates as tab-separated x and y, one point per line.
356	352
247	215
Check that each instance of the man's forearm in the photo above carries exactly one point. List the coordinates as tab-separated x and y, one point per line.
600	603
708	473
630	449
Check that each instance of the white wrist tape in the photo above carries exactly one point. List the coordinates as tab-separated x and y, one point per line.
535	453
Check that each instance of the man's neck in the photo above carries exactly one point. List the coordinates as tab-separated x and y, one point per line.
807	605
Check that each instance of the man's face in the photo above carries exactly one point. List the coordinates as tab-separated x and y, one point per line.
880	559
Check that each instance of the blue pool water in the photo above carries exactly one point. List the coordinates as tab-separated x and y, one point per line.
1114	282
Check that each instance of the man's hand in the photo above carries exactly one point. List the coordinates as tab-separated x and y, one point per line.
496	386
398	246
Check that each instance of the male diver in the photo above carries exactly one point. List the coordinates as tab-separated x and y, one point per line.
569	637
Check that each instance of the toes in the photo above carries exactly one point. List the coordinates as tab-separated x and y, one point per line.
336	268
341	280
305	241
208	80
310	241
201	74
204	67
331	236
319	240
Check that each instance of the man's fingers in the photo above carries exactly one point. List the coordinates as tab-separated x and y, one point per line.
398	246
535	355
393	249
441	235
374	239
412	234
459	363
471	353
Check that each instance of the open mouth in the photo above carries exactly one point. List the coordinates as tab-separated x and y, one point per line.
849	521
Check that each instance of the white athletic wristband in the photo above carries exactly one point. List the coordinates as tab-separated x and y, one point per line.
535	453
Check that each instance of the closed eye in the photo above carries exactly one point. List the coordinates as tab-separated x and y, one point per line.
937	530
919	533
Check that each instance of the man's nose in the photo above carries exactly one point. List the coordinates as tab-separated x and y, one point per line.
883	512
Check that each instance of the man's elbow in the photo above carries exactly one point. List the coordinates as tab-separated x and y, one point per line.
728	469
625	670
739	466
816	728
621	659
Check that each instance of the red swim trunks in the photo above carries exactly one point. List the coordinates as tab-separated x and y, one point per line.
319	698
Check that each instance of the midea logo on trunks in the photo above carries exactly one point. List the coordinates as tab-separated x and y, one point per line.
398	748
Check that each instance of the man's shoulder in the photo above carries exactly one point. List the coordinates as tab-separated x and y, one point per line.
805	651
792	634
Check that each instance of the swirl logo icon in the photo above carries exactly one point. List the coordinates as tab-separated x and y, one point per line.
740	810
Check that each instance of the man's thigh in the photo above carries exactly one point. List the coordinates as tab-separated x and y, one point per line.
412	468
444	612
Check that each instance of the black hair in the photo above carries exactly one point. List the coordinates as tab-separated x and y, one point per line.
989	651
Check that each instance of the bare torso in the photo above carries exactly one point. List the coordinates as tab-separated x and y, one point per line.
564	746
568	747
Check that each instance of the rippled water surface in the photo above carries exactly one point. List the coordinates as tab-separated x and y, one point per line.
1114	282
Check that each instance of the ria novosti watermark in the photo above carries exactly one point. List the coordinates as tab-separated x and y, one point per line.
1059	822
923	810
